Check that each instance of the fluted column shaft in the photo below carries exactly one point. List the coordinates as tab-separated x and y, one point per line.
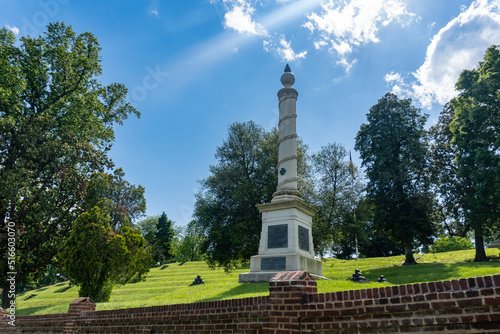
287	155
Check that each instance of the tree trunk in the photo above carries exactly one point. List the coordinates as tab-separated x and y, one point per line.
409	259
480	252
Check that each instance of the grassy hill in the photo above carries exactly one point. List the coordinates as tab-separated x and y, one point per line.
171	285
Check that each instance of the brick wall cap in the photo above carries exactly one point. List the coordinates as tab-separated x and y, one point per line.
292	276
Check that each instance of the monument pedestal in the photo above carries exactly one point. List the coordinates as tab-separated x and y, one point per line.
285	243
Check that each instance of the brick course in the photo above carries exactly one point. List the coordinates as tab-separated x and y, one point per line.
293	306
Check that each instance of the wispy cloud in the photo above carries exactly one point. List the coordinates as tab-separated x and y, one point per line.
283	49
154	11
240	16
460	45
14	29
343	25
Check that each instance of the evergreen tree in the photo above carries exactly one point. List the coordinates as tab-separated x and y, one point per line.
164	236
394	151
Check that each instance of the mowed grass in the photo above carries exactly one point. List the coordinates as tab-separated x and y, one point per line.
171	285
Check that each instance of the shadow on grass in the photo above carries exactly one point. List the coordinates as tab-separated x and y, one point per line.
66	288
424	272
31	310
241	289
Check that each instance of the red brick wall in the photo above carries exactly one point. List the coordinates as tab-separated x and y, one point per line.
293	306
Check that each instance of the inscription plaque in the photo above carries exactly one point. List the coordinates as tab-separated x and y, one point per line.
273	263
277	236
304	238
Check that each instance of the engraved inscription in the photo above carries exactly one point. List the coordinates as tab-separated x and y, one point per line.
273	263
277	236
304	238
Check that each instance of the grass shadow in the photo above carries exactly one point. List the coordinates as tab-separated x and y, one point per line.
423	272
242	289
31	310
66	288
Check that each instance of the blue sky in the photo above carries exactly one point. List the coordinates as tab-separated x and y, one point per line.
193	67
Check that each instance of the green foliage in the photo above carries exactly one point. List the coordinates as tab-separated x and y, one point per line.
476	137
444	175
95	258
449	244
148	228
56	127
188	245
124	202
164	236
394	151
338	193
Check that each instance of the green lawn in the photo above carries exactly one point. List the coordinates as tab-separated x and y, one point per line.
171	285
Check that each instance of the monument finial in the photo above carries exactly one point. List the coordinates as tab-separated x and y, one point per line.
287	78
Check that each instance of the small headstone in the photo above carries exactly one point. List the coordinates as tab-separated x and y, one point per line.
381	279
357	276
197	281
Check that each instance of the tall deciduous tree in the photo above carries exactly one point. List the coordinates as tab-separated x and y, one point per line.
188	245
245	175
337	194
444	176
394	151
56	126
476	136
123	201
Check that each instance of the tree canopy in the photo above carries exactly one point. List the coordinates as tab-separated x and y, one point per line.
476	140
337	195
56	127
394	151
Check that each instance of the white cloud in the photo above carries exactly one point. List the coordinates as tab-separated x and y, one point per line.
14	29
393	77
283	49
346	64
342	48
154	12
319	44
460	45
347	24
239	18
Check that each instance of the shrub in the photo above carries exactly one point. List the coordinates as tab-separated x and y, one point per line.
449	244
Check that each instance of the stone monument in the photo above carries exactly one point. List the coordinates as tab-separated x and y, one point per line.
286	242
